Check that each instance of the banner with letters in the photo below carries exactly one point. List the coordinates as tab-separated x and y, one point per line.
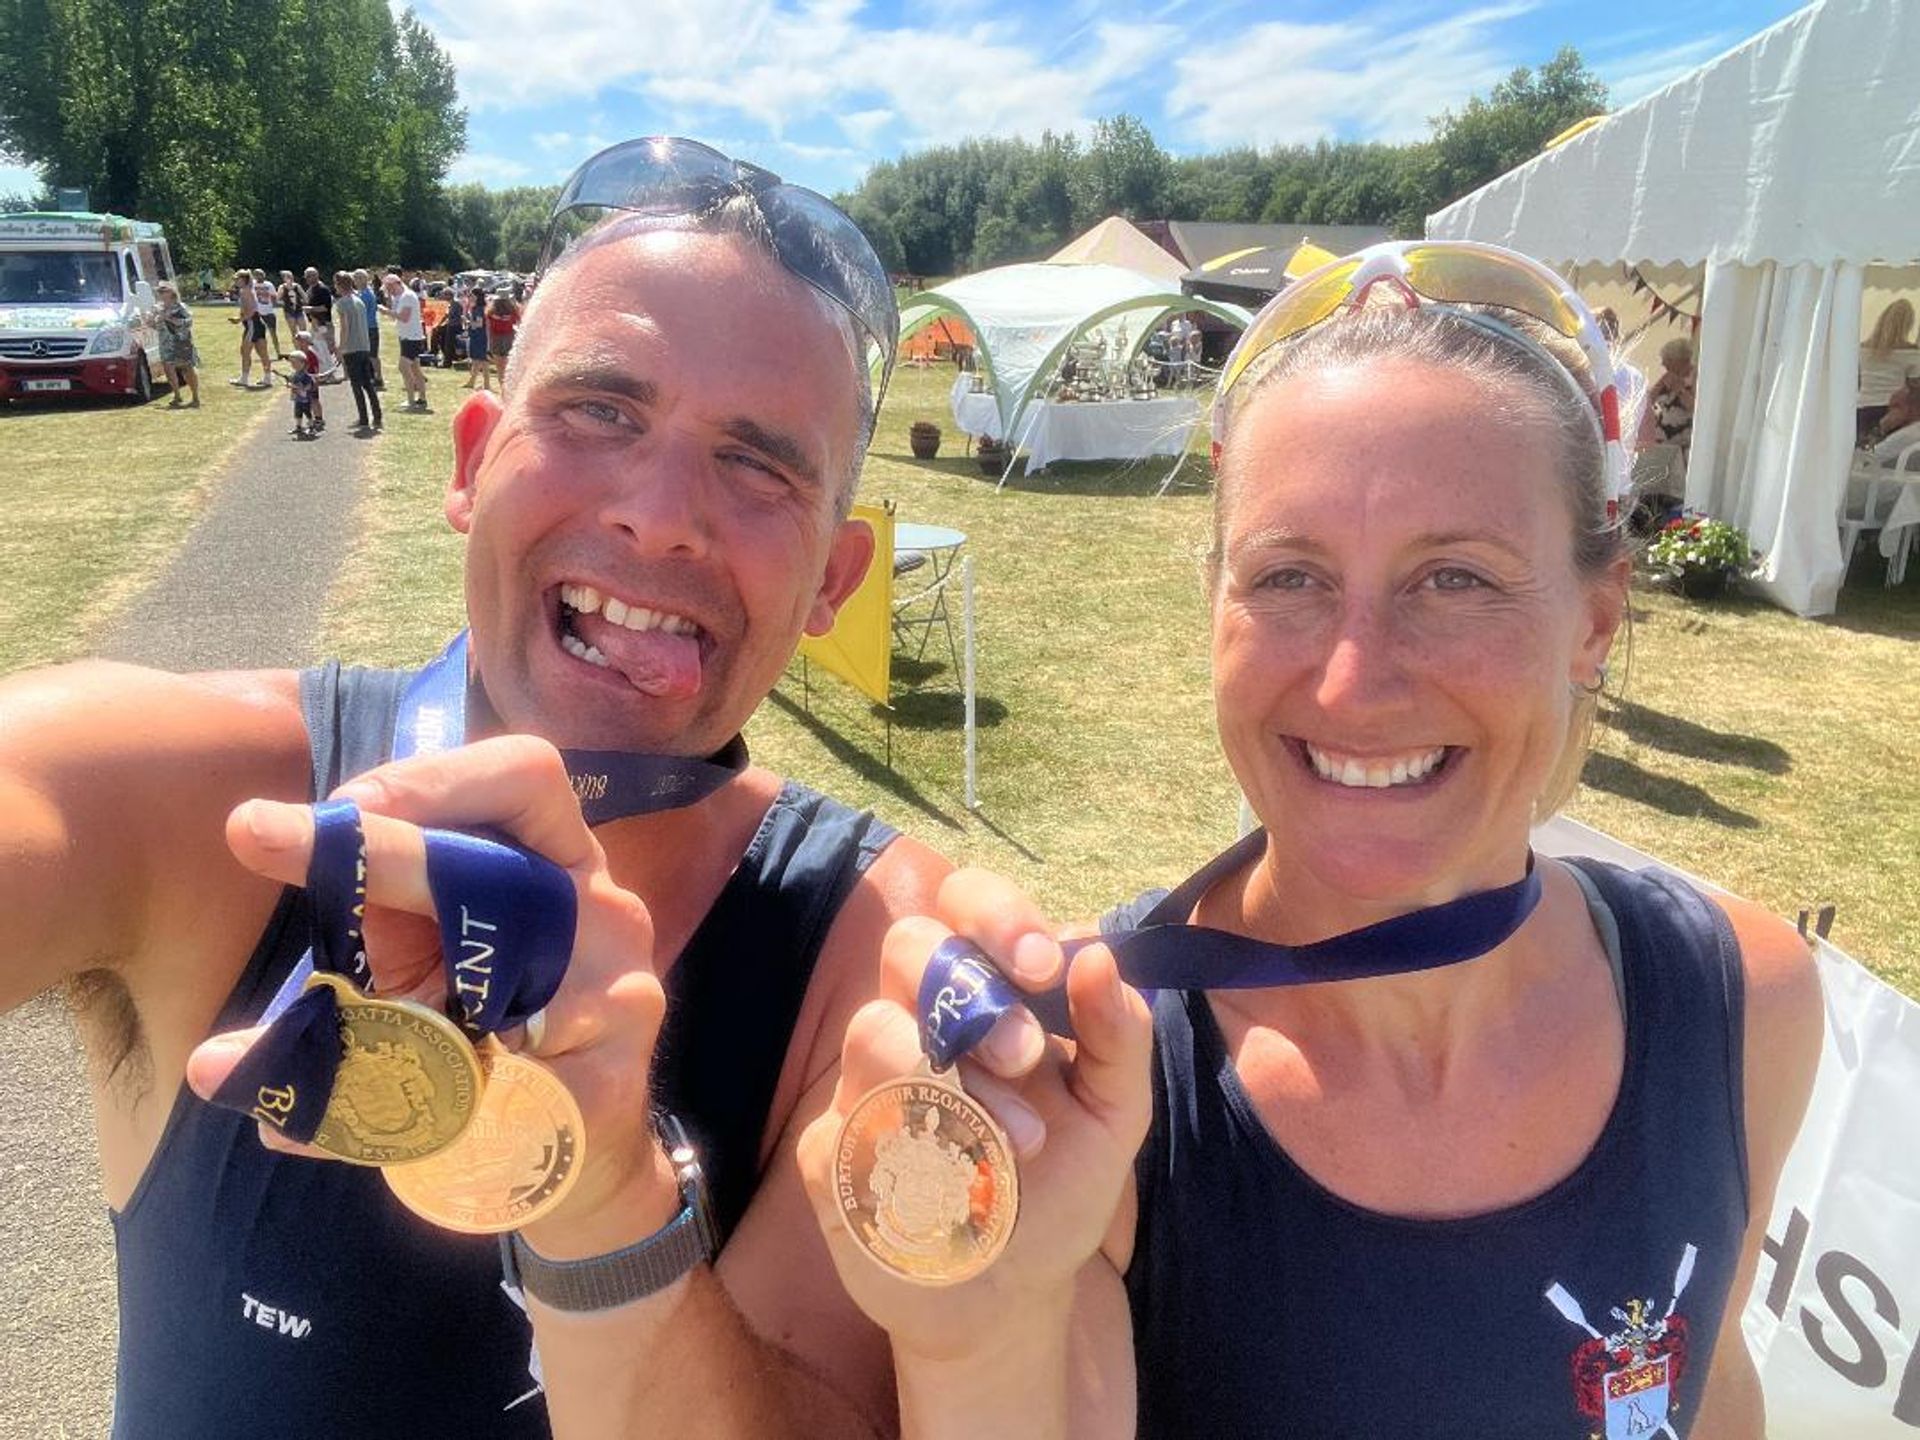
1836	1305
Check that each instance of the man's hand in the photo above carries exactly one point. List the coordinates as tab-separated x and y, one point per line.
600	1026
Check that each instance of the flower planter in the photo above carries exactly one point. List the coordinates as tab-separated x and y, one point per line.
1701	582
925	440
993	459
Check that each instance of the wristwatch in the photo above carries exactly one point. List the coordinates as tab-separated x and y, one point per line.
601	1282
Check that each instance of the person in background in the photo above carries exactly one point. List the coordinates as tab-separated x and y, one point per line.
503	317
1665	433
1899	424
473	321
253	333
309	418
370	302
350	317
320	311
292	302
404	306
1884	358
177	354
267	306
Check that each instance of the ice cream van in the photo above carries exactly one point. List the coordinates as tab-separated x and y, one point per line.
77	308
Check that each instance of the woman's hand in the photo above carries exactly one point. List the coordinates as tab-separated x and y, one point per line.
1075	1112
599	1029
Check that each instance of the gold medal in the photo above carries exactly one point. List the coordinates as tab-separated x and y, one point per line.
408	1083
925	1180
516	1161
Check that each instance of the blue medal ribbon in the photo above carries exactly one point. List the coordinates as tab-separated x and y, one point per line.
1165	952
507	916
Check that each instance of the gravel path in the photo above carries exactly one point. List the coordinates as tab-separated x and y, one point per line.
245	590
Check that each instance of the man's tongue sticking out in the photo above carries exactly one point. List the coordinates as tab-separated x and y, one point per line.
656	662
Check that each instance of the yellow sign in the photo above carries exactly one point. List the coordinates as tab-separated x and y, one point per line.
859	648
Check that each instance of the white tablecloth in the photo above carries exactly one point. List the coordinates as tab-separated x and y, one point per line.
975	412
1107	430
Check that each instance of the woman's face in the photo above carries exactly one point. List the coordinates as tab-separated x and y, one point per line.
1397	628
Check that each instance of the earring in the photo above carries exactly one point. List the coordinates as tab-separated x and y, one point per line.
1598	684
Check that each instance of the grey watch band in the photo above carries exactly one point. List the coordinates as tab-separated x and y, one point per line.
602	1282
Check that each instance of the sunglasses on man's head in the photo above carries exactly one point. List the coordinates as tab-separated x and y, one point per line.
813	238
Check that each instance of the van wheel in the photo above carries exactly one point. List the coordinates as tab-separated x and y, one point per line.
142	382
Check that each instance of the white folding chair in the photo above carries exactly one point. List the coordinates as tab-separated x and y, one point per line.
1863	480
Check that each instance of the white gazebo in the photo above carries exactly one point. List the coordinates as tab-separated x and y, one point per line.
1786	173
1025	317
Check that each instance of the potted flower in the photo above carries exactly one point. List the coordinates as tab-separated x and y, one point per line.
1701	554
924	437
993	455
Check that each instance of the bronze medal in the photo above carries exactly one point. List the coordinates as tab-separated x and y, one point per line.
925	1180
408	1083
516	1161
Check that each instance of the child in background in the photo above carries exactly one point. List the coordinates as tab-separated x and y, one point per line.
308	417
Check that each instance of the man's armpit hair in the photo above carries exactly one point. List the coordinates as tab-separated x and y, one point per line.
109	1024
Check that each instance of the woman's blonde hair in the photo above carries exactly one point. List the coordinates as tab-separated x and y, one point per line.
1530	370
1893	330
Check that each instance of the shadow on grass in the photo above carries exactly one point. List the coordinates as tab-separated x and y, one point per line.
1869	607
986	823
864	763
1682	737
1660	792
941	710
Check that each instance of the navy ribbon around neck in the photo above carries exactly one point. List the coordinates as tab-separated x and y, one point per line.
507	916
962	994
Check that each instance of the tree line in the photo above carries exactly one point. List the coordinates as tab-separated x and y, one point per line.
957	208
288	132
270	132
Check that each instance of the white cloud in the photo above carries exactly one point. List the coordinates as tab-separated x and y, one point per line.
1378	76
487	169
782	64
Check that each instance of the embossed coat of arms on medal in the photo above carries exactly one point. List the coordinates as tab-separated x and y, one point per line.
1626	1381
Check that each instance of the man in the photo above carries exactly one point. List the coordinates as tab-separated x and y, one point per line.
687	421
1898	427
350	320
370	301
404	305
320	308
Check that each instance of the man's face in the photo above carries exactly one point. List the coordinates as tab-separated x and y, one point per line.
651	518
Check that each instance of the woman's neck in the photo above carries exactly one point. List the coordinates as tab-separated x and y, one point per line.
1417	1023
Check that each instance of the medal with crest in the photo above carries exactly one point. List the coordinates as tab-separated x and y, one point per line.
924	1176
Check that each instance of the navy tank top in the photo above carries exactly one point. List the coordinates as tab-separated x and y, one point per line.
1265	1305
267	1295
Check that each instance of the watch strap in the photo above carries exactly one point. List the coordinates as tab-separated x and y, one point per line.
602	1282
649	1265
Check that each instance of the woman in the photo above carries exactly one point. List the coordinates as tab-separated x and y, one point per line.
503	317
474	320
1520	1192
178	358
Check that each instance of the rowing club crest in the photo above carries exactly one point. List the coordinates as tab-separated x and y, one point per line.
1624	1381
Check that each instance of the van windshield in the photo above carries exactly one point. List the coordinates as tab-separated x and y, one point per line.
58	277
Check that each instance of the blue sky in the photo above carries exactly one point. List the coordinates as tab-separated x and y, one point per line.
820	89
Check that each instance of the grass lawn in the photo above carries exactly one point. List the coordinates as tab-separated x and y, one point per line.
1768	753
101	493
